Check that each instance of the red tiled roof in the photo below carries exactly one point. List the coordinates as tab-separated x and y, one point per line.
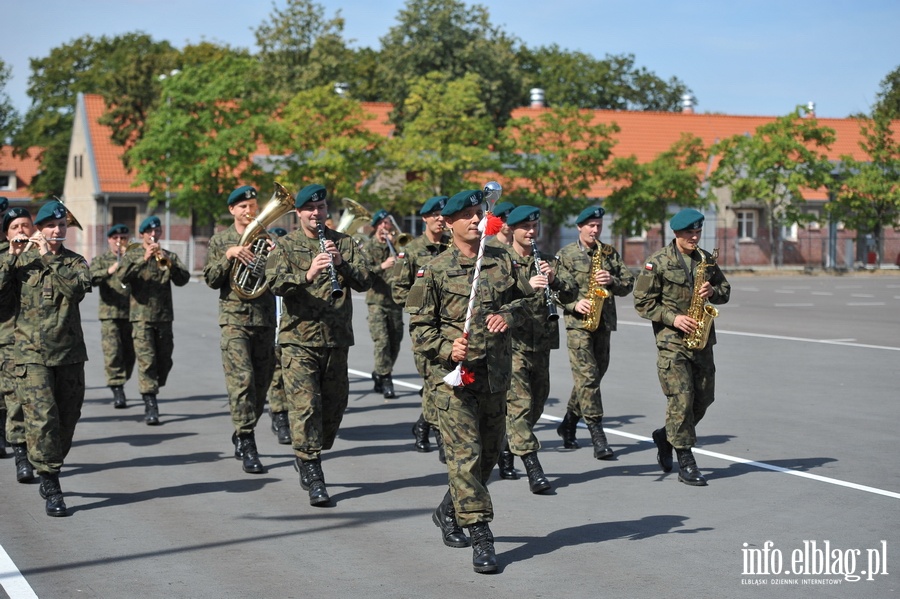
25	168
111	172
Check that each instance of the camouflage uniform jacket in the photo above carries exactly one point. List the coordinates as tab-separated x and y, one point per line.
379	293
438	302
576	259
258	312
417	254
151	291
537	333
310	317
115	300
664	290
48	324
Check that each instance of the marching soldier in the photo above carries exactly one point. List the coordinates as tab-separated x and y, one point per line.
385	315
7	321
503	238
313	269
50	353
278	404
532	340
115	302
471	417
151	271
663	294
247	329
419	252
592	264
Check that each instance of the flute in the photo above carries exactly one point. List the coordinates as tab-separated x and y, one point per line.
548	297
336	291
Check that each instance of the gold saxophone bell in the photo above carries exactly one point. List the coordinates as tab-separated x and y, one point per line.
596	294
353	217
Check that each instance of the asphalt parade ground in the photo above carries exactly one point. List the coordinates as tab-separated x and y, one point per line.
800	450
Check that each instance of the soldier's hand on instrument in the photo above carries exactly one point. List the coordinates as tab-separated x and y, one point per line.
547	271
603	277
389	262
41	242
496	323
706	290
685	323
320	263
113	268
331	248
583	306
240	252
460	347
150	251
538	282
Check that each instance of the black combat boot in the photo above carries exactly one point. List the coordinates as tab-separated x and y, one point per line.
119	401
444	517
379	383
3	433
24	470
484	560
151	409
439	441
688	472
281	426
245	450
506	465
663	449
49	490
312	479
537	482
387	383
566	430
602	450
420	432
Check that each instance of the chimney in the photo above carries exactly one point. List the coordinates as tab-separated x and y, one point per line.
537	97
687	103
811	109
341	88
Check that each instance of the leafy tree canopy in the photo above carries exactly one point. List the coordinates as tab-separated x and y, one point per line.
888	97
9	118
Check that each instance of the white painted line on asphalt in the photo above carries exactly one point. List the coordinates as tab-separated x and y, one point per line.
400	383
12	580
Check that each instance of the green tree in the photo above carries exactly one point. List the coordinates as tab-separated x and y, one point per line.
868	192
9	118
324	140
579	79
645	192
888	97
198	144
447	37
554	160
448	135
772	167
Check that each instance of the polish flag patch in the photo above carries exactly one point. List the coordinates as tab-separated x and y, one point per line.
648	266
420	273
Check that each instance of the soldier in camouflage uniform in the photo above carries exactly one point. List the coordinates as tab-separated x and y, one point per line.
17	226
115	302
314	276
589	351
471	417
663	295
248	329
144	270
532	340
49	345
7	322
278	404
503	238
414	256
385	315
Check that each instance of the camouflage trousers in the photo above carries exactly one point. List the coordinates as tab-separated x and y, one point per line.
248	358
118	350
589	359
386	328
688	379
277	398
429	386
13	418
51	398
153	347
317	387
472	421
528	392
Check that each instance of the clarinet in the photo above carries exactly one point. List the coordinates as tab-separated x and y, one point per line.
336	291
548	297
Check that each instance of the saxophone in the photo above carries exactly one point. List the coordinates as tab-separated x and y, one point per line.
596	294
700	310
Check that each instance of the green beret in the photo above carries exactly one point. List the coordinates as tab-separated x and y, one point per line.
461	201
589	213
118	229
523	214
4	203
277	231
433	204
503	209
50	210
689	218
151	222
310	193
378	217
245	192
13	214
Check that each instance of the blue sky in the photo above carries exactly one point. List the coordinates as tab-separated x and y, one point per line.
754	57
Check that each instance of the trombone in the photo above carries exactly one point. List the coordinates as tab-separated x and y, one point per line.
401	238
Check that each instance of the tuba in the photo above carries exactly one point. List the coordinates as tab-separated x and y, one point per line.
596	294
699	310
353	217
248	281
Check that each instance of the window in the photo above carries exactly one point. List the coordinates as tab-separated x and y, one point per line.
127	215
789	233
7	182
746	224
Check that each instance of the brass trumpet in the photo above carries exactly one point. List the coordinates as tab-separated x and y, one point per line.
162	260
